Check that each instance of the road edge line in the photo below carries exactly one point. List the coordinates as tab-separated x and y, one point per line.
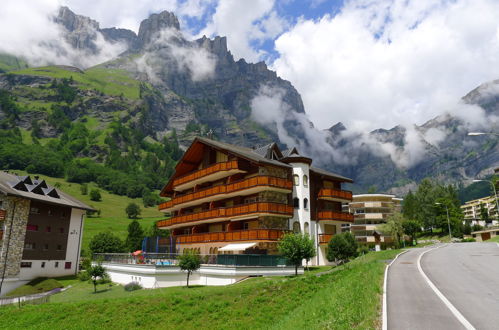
447	303
384	307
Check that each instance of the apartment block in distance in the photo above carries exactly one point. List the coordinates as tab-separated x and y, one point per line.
370	211
40	231
472	210
235	200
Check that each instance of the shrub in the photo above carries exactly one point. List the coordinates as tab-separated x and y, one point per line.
132	210
106	242
470	239
132	286
95	195
84	189
363	249
84	276
342	247
477	227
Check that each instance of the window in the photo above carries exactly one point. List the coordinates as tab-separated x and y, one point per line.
246	225
305	181
296	227
305	204
48	229
61	230
43	264
296	203
29	246
34	210
67	265
296	180
32	227
56	264
59	247
25	264
46	247
307	229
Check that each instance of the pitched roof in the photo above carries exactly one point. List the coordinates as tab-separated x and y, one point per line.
25	187
329	174
251	154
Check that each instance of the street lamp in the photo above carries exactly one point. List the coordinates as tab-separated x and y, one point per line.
482	133
495	194
448	220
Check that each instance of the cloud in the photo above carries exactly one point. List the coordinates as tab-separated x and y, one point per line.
247	25
381	63
27	30
168	47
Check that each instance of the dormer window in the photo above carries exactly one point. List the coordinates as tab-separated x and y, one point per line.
296	179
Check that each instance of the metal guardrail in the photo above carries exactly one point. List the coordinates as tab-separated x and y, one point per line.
160	260
34	299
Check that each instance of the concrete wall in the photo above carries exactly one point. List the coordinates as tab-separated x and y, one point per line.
151	277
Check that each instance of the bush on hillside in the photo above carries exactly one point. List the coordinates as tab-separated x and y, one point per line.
95	195
342	247
132	210
132	286
106	242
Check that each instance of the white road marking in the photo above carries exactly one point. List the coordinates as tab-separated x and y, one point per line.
385	312
447	303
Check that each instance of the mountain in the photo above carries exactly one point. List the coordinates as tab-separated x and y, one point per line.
130	114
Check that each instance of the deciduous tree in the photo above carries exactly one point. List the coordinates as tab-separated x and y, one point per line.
342	247
189	261
295	247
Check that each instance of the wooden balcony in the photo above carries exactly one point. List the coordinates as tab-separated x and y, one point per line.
234	212
336	195
239	188
325	238
3	215
214	172
335	216
232	236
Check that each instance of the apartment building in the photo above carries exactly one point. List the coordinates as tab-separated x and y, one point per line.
370	211
231	199
40	231
472	210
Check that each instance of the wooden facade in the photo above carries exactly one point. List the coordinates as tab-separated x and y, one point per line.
221	193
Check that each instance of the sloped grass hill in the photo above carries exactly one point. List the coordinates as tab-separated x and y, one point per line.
345	299
85	126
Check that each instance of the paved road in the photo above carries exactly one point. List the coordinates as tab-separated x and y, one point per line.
467	274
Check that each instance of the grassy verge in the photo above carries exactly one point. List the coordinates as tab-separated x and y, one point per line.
38	285
347	298
493	239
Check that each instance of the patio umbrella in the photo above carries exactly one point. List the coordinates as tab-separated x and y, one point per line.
136	253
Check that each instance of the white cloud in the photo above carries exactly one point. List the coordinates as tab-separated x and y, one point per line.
245	24
27	30
164	48
381	63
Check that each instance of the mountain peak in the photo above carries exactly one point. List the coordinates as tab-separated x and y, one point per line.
156	23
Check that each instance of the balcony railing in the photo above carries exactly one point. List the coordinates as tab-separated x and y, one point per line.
335	215
222	190
325	238
218	167
231	236
275	209
342	195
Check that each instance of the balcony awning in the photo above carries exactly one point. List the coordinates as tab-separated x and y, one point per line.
237	246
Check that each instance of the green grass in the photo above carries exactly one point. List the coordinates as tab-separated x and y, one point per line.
493	239
345	299
38	285
108	81
113	216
